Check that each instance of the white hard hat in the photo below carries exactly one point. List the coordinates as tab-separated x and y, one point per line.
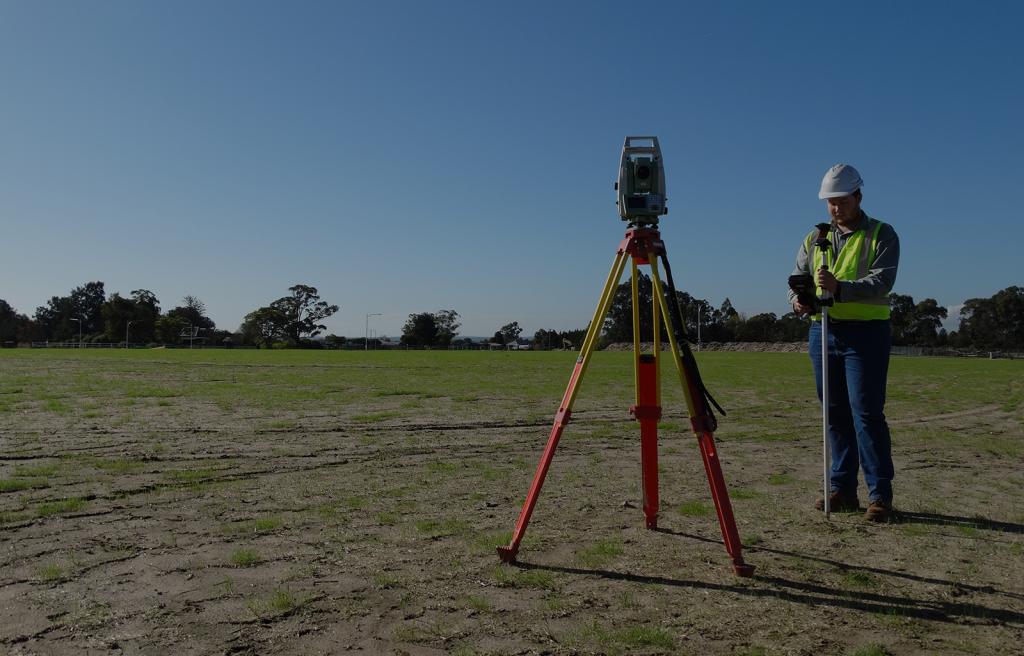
840	180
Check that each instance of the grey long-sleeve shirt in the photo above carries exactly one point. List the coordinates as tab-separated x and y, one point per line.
881	272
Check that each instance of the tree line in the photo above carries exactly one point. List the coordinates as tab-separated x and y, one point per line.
86	314
296	320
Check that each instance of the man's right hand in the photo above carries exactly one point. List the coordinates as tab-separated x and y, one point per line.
799	308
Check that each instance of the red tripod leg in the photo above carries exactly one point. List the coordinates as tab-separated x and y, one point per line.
723	506
508	553
647	412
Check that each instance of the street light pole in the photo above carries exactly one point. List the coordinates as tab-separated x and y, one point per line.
79	320
366	336
127	326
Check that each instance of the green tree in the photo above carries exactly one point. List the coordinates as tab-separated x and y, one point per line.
12	324
510	333
901	318
147	311
264	326
793	327
546	340
995	323
420	329
927	323
79	313
758	328
447	322
169	328
304	313
117	312
192	312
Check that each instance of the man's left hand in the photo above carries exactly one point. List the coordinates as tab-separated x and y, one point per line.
827	281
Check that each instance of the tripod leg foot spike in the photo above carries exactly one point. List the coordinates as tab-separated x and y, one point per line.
743	569
507	554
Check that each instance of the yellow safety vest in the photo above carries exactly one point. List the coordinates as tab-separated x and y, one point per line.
853	263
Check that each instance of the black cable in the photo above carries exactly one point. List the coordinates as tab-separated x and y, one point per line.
679	328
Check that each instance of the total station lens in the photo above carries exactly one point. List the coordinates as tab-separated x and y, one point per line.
643	172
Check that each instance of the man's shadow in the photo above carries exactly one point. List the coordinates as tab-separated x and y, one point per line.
902	517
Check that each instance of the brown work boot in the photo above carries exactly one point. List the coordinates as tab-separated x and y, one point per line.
840	502
879	511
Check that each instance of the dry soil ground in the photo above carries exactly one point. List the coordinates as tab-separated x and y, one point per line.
176	502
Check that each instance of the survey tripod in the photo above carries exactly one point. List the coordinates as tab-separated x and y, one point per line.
642	245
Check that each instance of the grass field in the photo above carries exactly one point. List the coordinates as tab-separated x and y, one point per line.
280	502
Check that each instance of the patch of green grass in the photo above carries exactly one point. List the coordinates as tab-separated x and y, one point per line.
752	540
744	493
484	542
752	650
870	650
8	517
244	558
50	572
19	484
386	580
858	579
279	424
600	553
694	509
387	518
478	603
56	406
60	507
282	600
266	524
441	467
615	641
509	577
33	471
914	530
355	503
967	531
439	528
780	479
489	472
645	636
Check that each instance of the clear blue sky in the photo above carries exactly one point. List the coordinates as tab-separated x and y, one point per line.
411	156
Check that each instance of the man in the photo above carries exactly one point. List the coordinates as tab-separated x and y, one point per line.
862	267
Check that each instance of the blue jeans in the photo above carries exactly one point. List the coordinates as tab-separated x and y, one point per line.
858	365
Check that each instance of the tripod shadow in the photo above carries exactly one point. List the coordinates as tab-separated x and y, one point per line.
813	594
817	595
846	567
